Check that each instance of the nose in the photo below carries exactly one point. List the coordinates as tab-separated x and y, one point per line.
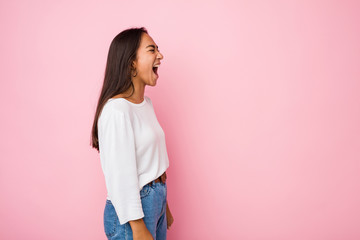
160	55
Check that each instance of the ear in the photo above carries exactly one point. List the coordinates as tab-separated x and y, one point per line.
133	65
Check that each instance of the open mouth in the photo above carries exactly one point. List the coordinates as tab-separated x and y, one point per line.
155	70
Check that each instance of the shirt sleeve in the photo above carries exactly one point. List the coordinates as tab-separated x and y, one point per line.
118	161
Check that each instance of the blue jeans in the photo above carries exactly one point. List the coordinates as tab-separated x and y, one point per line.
153	200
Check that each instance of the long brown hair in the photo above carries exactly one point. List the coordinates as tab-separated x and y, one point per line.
117	79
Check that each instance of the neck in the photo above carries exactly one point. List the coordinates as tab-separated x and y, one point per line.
138	95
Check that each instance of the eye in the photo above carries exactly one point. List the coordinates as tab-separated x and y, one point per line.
152	50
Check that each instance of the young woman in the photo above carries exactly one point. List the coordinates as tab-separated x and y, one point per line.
131	141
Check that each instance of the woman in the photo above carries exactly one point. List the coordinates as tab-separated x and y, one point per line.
131	141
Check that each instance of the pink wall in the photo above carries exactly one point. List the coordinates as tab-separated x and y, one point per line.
259	101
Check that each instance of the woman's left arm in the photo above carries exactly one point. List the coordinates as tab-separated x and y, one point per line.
169	217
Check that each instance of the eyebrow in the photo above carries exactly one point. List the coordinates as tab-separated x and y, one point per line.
153	46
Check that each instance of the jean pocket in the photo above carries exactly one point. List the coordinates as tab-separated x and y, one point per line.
145	191
110	219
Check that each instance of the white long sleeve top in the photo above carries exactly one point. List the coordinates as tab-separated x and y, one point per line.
132	152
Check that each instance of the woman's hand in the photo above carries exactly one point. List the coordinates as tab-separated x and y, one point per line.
169	216
142	235
140	231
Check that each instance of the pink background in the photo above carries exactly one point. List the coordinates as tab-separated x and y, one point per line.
259	101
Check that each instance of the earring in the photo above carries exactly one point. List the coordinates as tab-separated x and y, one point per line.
136	73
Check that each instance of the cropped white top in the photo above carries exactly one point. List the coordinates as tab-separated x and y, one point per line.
132	152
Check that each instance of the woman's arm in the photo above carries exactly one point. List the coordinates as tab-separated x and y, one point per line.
138	225
169	216
140	230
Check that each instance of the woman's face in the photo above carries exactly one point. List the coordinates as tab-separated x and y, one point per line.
148	59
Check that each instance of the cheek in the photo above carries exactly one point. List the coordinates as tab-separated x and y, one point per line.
145	66
146	70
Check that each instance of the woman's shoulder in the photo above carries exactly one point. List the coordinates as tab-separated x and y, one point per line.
115	107
148	98
123	100
120	106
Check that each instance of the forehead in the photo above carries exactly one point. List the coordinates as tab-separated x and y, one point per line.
146	40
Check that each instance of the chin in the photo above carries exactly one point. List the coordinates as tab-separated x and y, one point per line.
151	83
151	80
